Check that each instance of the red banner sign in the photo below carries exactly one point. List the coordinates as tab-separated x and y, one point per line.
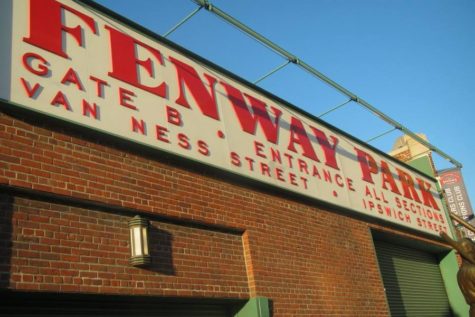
70	61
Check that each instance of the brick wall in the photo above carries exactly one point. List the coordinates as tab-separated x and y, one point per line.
69	249
220	238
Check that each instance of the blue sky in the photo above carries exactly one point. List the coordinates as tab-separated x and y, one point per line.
413	60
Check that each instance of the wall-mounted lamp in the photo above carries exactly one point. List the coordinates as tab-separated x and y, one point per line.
139	241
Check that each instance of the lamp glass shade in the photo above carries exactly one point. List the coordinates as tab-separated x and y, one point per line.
139	241
145	238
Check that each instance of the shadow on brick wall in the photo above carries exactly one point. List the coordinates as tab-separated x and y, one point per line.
6	213
161	251
271	308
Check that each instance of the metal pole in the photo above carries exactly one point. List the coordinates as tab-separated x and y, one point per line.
211	8
381	135
189	16
272	72
334	108
292	58
462	221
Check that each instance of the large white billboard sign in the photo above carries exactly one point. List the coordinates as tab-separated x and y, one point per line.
70	61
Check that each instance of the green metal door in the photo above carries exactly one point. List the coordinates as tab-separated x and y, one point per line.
412	280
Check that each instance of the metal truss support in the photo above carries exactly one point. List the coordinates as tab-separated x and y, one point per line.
334	108
272	72
381	135
183	21
294	59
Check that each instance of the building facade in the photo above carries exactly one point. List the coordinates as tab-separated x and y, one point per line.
254	210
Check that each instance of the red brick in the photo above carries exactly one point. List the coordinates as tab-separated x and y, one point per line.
288	253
